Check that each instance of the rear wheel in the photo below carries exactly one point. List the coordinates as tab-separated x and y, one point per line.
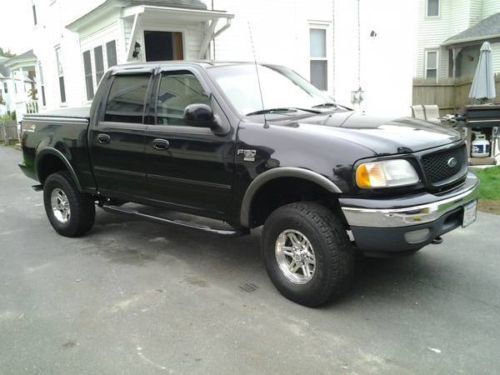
307	253
70	212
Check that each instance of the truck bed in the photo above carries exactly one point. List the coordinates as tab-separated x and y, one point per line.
60	133
76	112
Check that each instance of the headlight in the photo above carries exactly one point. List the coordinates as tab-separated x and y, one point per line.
388	173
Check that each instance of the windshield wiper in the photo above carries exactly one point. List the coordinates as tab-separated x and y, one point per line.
282	110
325	105
331	105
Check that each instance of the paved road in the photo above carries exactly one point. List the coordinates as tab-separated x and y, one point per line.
139	298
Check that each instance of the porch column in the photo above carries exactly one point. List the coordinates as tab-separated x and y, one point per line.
455	52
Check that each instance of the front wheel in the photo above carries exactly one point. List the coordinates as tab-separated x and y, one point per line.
307	253
70	212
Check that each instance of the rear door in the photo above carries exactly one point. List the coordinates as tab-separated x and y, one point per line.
117	140
188	167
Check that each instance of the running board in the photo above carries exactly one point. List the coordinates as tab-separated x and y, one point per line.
163	220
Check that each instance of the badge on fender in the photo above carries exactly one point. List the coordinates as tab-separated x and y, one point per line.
248	155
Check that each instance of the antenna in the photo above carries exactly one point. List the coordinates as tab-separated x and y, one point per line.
266	125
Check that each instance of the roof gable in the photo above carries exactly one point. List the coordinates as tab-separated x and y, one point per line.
489	28
109	6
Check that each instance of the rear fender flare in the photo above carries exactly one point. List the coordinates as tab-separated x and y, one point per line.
54	152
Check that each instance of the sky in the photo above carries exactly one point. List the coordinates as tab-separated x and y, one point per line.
16	25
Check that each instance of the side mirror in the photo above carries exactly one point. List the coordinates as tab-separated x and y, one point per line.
201	115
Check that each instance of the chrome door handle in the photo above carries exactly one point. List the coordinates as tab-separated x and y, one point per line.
103	138
160	144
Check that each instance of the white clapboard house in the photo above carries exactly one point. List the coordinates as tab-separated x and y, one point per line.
18	91
450	36
340	45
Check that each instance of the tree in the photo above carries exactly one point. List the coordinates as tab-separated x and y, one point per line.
6	52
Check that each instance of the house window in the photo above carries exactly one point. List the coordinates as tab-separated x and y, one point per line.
42	85
432	8
34	14
60	74
126	99
99	64
111	53
319	61
5	88
431	64
87	67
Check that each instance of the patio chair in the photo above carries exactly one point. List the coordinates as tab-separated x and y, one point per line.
417	111
432	113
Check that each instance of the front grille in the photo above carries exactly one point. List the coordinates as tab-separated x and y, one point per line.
437	167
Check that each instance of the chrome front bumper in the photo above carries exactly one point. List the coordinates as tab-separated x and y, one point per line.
359	212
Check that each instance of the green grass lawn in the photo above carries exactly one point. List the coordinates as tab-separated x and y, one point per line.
489	193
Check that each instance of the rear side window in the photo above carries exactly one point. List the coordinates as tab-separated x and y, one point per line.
126	98
178	89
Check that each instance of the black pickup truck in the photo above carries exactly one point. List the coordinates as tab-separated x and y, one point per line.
220	141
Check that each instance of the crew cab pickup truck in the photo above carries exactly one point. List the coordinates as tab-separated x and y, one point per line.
249	145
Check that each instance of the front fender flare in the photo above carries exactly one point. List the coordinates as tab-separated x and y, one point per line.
52	151
280	172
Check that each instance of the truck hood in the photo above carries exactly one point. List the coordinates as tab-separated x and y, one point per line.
382	135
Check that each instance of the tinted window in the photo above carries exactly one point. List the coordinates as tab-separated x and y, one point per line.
126	98
178	89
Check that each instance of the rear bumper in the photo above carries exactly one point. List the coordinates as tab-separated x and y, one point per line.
407	223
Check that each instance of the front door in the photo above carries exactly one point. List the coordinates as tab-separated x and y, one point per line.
163	45
118	139
193	169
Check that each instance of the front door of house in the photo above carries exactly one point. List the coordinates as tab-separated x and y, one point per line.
163	45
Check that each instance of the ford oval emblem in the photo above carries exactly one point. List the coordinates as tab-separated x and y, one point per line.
452	162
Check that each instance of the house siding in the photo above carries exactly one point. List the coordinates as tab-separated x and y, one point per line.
280	33
456	16
282	39
495	53
490	7
432	32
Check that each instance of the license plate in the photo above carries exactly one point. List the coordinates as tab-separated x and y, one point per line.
470	213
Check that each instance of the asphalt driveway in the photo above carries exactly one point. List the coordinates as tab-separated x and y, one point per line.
134	297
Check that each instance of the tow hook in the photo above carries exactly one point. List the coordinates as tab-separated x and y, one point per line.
437	241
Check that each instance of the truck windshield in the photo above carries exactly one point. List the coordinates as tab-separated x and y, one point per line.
281	88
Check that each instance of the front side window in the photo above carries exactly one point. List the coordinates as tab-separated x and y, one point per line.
431	58
319	62
178	89
126	98
432	8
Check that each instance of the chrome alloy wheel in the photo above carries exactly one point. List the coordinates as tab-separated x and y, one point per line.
295	256
60	205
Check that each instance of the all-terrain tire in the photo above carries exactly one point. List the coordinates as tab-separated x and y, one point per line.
81	206
333	252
